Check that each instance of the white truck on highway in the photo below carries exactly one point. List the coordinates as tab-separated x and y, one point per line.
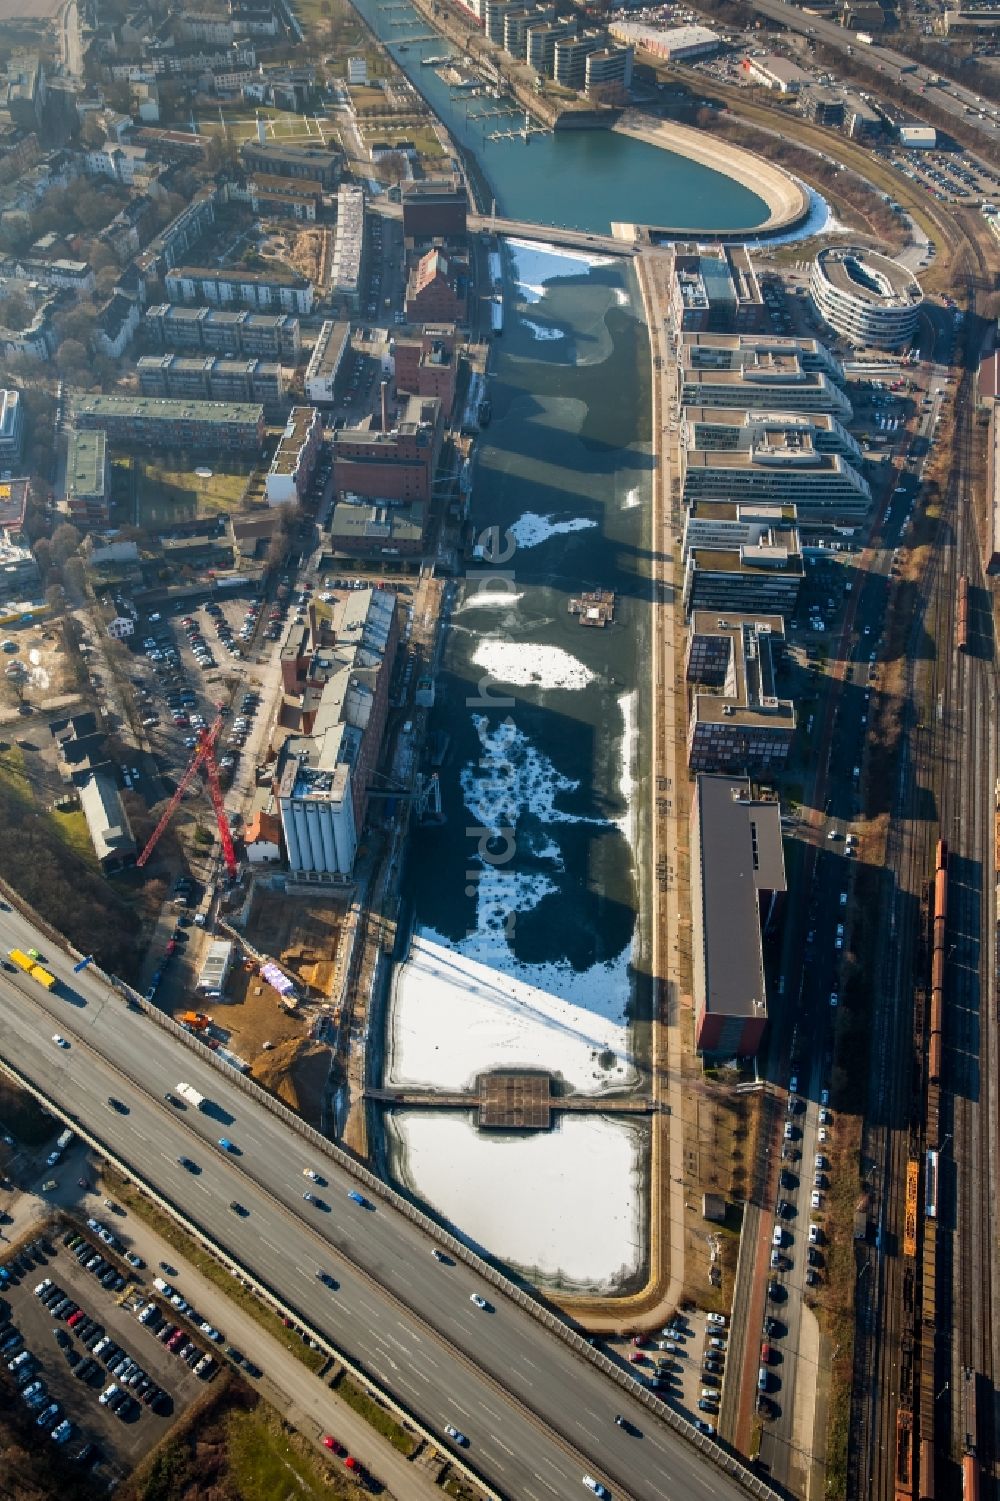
190	1094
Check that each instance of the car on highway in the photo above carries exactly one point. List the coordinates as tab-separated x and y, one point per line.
357	1198
118	1105
327	1280
191	1167
479	1301
336	1447
456	1436
229	1146
595	1486
310	1173
239	1208
59	1040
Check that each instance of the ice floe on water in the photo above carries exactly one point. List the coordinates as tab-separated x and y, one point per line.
525	664
542	331
526	1199
632	499
531	529
489	599
535	264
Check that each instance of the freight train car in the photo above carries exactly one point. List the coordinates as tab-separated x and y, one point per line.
962	614
938	951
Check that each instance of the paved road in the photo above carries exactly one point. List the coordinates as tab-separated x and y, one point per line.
405	1317
950	97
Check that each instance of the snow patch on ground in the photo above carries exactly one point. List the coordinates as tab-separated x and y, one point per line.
526	1198
531	529
524	665
541	331
630	750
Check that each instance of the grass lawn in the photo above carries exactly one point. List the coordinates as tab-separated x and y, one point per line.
167	494
375	1415
12	771
267	1464
72	829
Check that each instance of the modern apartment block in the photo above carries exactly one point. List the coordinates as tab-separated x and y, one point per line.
88	494
396	465
206	377
285	197
266	291
779	466
295	457
756	372
737	879
273	336
160	422
737	722
335	672
333	341
349	246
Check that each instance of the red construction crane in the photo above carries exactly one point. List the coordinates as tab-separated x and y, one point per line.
204	755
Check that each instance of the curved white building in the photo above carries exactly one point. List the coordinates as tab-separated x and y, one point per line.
865	296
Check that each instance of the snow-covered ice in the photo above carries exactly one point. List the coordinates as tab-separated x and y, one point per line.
463	1007
542	331
632	499
531	529
525	664
489	599
535	264
564	1205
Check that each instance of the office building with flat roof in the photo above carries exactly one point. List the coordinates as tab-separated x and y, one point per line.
728	526
763	576
758	373
11	427
335	672
866	297
714	289
378	531
278	159
737	721
737	879
673	43
434	208
161	422
88	496
779	466
729	428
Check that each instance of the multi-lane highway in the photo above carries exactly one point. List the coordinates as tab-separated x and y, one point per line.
950	97
537	1415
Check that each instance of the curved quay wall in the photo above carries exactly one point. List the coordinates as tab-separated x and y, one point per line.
787	201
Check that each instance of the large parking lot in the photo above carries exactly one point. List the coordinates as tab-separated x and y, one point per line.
684	1363
99	1367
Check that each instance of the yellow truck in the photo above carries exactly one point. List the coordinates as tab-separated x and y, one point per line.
32	967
